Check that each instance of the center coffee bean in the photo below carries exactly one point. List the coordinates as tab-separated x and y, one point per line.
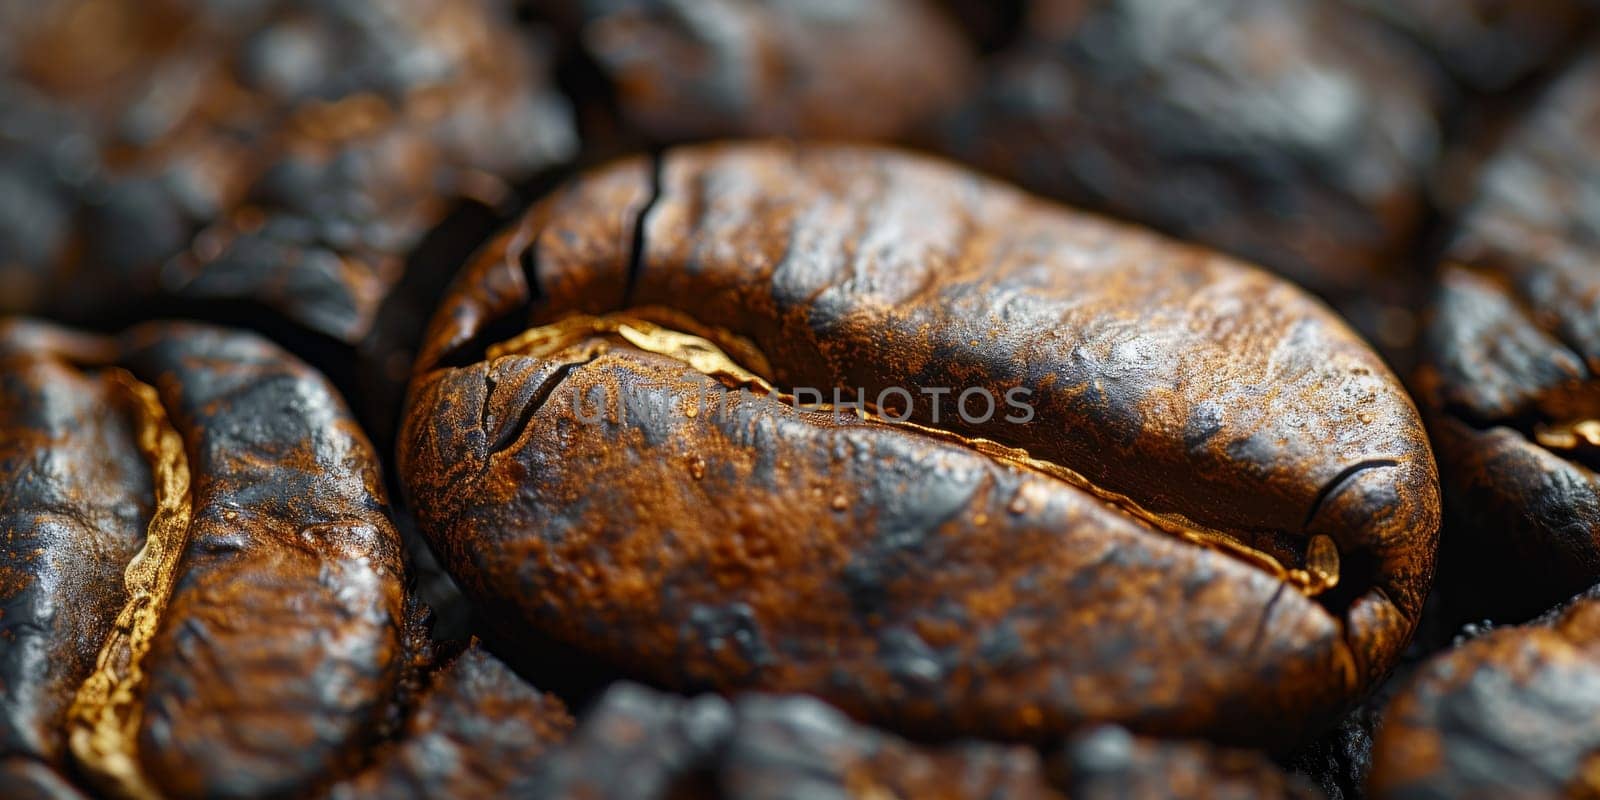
1220	519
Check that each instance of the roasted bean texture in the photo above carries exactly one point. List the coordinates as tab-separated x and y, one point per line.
1218	519
77	499
799	398
1515	713
203	591
1293	134
1509	360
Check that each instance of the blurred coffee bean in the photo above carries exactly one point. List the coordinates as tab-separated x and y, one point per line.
1508	361
640	744
1489	45
637	743
696	69
1514	713
275	164
1294	134
1110	763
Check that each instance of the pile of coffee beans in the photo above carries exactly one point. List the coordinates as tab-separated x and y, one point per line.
799	398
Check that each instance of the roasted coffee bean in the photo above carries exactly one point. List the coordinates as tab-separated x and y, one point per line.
252	644
373	151
112	151
1488	44
1294	134
1217	515
796	746
637	743
478	732
286	163
1110	763
693	69
76	498
1508	364
1514	713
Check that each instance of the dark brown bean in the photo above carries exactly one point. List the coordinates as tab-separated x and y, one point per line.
257	646
637	743
696	69
1515	713
73	510
370	155
284	166
1220	519
479	731
1295	135
793	746
1508	364
279	643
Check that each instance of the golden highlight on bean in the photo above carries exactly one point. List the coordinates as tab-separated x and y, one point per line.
105	714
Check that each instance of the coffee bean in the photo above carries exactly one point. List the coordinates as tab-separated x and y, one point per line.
1507	362
1513	712
664	744
251	644
696	69
76	501
637	743
1295	135
766	746
1220	519
479	731
311	171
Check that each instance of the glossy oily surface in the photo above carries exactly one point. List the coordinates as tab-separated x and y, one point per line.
77	501
256	643
1219	517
